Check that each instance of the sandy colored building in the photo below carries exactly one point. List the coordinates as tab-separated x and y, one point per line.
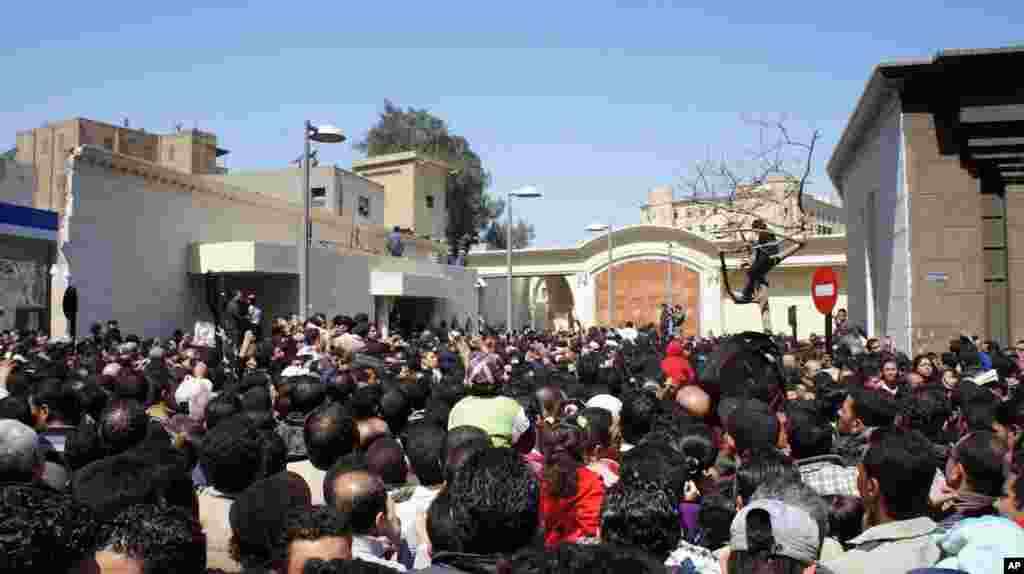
45	149
416	187
930	167
772	201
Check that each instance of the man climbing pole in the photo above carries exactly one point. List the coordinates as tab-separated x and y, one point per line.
765	252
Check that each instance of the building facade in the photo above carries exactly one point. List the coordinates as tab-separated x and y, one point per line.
45	149
774	201
930	167
416	186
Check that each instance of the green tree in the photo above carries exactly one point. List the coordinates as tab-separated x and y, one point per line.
471	210
523	232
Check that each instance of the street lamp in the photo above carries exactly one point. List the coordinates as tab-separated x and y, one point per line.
597	228
320	134
525	193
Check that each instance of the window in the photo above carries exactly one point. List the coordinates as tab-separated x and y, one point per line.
318	196
430	202
60	144
44	145
364	206
108	143
170	152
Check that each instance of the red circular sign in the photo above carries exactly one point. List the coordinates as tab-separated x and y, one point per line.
825	289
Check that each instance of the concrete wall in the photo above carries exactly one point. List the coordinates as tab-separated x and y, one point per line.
1015	256
408	180
493	301
876	206
131	237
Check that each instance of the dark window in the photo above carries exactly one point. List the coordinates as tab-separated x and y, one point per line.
430	202
318	195
364	206
108	143
170	152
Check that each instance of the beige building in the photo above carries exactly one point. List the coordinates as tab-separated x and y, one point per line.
416	187
772	201
45	148
931	171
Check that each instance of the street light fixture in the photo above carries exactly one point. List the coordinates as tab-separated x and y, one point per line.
528	192
320	134
607	228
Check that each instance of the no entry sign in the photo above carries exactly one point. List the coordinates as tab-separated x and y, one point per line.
825	289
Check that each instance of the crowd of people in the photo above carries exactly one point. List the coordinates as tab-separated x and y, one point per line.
325	447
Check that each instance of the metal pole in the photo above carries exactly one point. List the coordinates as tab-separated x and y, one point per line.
508	259
611	284
307	228
668	287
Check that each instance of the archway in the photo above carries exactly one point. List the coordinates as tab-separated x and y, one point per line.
640	290
552	303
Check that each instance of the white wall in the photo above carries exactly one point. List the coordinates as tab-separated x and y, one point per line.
790	286
131	241
875	200
352	187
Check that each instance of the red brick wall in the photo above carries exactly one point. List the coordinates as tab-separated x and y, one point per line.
640	289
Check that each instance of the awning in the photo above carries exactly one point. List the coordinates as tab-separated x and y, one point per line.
28	222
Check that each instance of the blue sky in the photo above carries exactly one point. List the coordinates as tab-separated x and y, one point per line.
594	102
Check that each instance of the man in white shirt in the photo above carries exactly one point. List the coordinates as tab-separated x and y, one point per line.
425	449
376	528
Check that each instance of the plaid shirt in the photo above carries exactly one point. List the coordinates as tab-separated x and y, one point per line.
826	475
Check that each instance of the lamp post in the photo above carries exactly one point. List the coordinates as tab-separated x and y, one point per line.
599	227
525	193
668	275
320	134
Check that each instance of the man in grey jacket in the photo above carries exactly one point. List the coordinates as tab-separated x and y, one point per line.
893	480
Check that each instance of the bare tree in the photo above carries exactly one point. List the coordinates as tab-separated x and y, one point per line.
734	194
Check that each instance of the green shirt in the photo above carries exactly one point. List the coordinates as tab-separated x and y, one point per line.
503	418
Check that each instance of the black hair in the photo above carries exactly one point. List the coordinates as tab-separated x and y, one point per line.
221	407
338	566
365	402
165	540
747	365
329	433
598	429
656	462
42	531
441	527
17	408
459	451
83	446
257	398
697	444
310	523
845	517
495	502
754	427
714	520
980	410
902	463
874	408
387	460
92	399
589	558
306	394
638	410
641	514
275	453
927	409
123	425
61	400
808	434
982	453
424	445
232	453
395	410
111	485
762	468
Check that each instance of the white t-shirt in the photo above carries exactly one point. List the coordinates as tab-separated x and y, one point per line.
191	387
